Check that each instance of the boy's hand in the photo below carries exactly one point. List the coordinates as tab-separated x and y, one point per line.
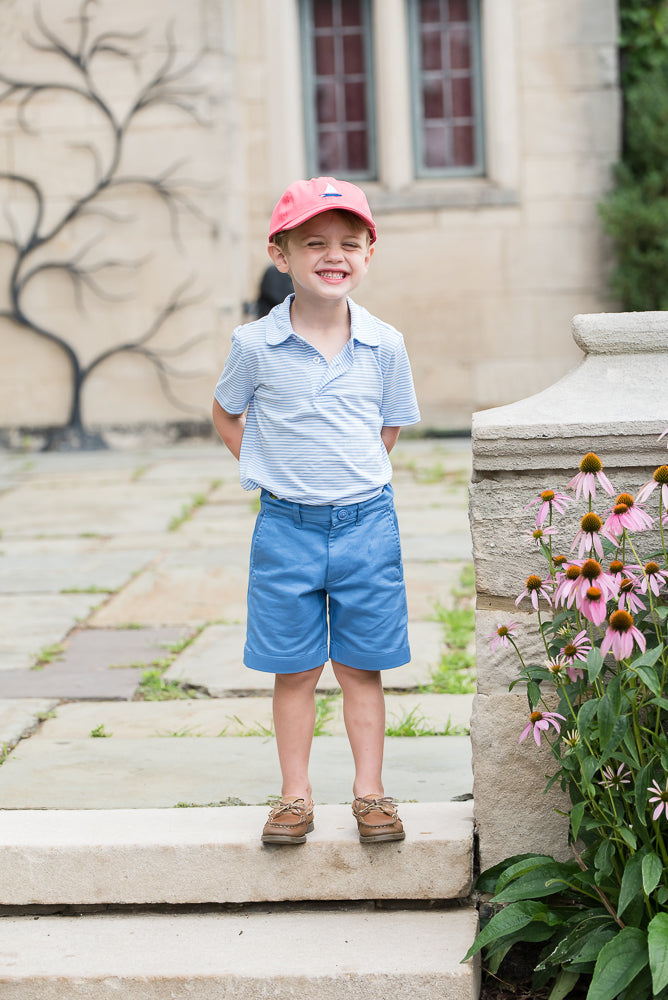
230	427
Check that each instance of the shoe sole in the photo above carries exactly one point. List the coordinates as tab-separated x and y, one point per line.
285	838
381	838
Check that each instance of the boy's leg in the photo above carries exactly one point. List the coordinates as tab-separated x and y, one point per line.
294	722
364	717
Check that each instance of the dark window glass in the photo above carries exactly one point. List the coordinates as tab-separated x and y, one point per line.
446	86
338	86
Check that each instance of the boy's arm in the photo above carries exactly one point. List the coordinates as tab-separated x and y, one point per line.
230	427
389	437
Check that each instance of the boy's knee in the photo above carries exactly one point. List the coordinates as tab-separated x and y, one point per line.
353	675
301	679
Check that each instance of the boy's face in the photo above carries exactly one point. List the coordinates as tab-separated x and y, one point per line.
326	257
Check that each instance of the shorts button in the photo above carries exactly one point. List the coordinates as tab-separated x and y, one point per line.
342	515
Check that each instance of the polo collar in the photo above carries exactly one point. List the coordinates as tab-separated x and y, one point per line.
279	327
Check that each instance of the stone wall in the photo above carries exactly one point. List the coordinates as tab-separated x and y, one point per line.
481	274
613	403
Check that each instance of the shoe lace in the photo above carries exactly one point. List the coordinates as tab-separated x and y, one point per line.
386	805
295	806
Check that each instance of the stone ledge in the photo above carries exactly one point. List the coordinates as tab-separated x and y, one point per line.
214	855
301	953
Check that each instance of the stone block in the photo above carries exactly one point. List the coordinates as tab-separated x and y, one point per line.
513	813
331	955
189	856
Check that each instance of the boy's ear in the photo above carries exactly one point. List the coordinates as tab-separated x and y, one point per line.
278	257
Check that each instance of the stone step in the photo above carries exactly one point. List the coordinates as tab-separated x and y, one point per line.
214	855
329	955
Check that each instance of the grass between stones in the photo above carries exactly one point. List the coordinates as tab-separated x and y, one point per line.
455	672
413	724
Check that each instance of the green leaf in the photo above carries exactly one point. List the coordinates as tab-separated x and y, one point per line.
606	719
649	678
604	856
652	870
564	984
509	920
629	836
594	663
586	715
487	880
642	792
619	730
657	940
618	963
577	812
547	880
521	867
649	658
631	882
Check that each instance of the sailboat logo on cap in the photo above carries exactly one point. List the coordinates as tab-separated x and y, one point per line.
331	192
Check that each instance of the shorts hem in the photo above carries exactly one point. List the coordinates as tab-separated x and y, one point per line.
285	664
370	661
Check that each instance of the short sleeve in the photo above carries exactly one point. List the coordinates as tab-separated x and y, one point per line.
235	386
399	406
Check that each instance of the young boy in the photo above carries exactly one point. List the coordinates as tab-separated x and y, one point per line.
311	402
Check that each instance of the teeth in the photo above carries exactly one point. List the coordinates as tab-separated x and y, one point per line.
332	274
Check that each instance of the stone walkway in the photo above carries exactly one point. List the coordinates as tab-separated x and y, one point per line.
122	601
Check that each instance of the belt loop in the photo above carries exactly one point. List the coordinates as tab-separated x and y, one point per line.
358	513
297	515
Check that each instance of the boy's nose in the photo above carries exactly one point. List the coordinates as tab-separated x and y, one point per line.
334	253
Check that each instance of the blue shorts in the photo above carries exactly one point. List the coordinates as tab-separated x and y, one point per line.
313	565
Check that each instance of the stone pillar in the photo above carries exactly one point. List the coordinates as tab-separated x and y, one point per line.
614	403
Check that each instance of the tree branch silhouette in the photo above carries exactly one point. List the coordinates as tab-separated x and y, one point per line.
169	86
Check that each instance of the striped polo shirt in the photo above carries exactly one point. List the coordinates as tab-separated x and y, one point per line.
313	428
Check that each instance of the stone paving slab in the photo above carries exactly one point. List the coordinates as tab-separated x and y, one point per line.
429	584
87	667
17	717
154	773
38	621
28	570
186	587
229	716
31	510
214	661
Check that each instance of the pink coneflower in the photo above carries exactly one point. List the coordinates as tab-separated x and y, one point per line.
593	575
566	582
659	478
654	579
593	605
629	589
660	796
535	588
626	514
618	570
539	535
577	648
500	637
548	499
620	635
614	779
591	469
591	528
539	721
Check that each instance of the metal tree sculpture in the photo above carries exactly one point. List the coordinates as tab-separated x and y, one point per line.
31	259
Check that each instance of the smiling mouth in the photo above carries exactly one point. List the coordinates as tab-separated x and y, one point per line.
333	275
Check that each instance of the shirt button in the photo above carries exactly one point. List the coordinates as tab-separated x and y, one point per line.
316	361
342	515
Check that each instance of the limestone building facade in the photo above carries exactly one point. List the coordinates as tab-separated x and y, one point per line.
483	132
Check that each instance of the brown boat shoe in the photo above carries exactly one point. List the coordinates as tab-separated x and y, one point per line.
377	819
288	822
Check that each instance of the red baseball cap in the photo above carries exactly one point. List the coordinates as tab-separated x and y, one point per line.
305	199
